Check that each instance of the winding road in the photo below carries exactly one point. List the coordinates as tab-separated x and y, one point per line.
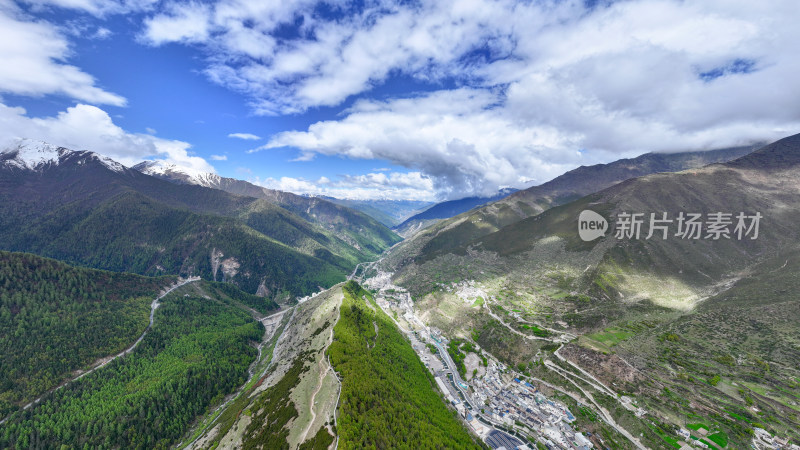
320	382
104	361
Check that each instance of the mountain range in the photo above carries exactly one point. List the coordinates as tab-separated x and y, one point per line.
357	229
388	212
697	328
651	339
86	209
447	234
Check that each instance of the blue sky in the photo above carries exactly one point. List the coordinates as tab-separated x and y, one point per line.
405	100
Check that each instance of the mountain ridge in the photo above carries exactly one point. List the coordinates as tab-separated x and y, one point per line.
36	155
349	224
152	226
687	330
451	233
446	210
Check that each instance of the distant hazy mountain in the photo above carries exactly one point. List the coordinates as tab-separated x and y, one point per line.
445	210
387	212
86	209
453	232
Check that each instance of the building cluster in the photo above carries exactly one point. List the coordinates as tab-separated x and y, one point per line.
763	440
497	402
519	404
499	408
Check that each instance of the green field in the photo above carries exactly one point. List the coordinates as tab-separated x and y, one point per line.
697	426
606	339
719	438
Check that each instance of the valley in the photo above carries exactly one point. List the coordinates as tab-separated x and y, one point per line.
655	338
412	225
523	337
598	378
292	366
501	405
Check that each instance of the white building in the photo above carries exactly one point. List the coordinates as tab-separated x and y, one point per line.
582	441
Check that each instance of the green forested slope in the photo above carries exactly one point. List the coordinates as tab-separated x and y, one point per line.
55	319
134	233
81	212
388	399
197	352
260	304
357	231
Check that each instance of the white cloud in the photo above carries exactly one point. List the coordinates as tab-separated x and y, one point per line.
547	79
34	58
245	136
371	186
331	59
219	157
185	22
86	127
102	33
455	137
98	8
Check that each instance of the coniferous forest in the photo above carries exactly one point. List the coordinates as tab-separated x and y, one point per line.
389	399
197	352
55	319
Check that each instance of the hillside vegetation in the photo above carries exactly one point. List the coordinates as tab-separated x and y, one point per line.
450	234
197	352
389	399
81	212
692	330
55	319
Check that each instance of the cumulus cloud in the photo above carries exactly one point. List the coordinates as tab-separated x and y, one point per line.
185	22
371	186
244	136
545	86
456	137
219	157
98	8
86	127
34	56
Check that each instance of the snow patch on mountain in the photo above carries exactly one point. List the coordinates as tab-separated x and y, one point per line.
110	163
174	172
33	154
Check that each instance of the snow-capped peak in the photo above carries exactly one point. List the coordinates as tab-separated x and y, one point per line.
110	163
175	173
33	154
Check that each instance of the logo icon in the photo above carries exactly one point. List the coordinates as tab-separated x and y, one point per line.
591	225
